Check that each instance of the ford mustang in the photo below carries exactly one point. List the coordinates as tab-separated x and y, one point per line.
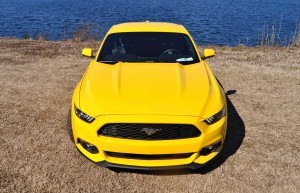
148	100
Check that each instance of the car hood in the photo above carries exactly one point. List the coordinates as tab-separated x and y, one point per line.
144	89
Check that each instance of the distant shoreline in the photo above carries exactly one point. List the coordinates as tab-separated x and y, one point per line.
94	41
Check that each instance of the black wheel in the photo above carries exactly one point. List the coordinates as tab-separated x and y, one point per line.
69	126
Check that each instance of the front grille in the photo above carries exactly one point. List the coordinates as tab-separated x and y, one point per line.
149	157
149	131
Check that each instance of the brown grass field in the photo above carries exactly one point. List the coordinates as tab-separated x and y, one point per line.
261	153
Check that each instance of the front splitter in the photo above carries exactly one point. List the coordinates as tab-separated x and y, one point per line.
106	164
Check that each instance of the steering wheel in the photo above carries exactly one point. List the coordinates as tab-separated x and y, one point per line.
173	51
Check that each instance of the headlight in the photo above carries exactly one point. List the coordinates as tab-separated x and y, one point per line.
83	116
216	117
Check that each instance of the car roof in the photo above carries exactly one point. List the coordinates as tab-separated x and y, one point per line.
148	27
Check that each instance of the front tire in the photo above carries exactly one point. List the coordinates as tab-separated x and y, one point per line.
69	126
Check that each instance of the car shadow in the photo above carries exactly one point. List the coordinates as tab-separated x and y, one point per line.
234	138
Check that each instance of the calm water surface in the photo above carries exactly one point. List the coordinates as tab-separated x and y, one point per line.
220	22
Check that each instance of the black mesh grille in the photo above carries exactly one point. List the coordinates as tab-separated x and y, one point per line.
149	157
149	131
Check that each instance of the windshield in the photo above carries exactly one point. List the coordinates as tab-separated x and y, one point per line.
148	47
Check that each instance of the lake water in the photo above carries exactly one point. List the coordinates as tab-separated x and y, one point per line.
220	22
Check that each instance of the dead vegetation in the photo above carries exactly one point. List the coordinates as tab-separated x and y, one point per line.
261	153
272	36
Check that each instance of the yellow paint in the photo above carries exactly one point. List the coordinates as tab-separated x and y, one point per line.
149	93
88	52
208	53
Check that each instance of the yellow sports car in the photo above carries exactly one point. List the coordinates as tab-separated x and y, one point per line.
148	100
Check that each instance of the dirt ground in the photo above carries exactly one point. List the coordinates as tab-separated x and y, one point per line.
261	153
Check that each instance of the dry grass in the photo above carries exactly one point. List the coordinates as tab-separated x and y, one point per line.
261	154
272	37
85	32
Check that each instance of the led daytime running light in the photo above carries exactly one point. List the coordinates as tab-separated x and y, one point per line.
83	116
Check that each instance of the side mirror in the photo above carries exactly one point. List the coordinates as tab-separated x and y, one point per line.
208	53
88	52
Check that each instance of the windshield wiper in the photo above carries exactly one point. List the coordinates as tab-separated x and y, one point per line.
178	62
109	61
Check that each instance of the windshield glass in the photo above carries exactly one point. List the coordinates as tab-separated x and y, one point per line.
148	47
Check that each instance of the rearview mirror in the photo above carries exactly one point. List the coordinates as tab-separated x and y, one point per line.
88	52
208	53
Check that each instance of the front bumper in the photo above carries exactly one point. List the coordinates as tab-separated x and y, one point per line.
88	132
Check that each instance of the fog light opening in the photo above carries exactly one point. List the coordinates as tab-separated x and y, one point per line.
209	149
88	146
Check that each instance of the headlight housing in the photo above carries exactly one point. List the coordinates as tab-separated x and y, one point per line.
216	117
83	116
